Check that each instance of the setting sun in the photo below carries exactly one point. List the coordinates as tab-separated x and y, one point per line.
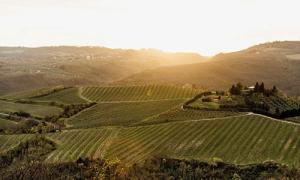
204	26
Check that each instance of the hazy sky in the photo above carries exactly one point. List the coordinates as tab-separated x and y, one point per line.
204	26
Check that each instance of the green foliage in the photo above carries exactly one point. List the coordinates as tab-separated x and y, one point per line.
33	149
154	168
69	110
236	89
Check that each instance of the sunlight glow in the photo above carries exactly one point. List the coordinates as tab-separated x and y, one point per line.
204	26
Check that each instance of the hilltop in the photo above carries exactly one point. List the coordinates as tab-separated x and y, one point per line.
274	63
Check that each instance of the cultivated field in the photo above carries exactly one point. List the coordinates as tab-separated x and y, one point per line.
66	96
91	143
10	141
4	123
108	114
35	110
31	93
150	120
137	93
243	140
179	114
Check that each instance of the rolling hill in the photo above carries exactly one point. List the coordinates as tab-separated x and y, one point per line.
273	63
30	68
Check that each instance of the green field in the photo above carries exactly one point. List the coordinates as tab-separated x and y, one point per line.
243	140
137	93
31	93
67	96
5	123
35	110
108	114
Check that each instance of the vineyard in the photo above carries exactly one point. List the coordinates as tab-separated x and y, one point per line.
35	110
132	123
10	141
66	96
108	114
243	140
81	143
137	93
179	114
283	104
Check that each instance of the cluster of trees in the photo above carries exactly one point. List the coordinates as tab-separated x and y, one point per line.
26	127
260	88
236	89
69	110
34	149
26	124
154	168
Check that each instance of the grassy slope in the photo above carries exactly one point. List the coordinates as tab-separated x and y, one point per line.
67	96
137	93
242	140
31	93
4	123
35	110
30	68
107	114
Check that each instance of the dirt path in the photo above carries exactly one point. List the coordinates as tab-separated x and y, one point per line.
283	121
80	90
158	100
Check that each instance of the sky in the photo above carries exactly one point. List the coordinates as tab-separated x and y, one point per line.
204	26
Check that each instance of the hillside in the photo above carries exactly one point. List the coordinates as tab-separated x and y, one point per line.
273	63
30	68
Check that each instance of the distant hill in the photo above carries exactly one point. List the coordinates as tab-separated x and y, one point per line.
28	68
276	63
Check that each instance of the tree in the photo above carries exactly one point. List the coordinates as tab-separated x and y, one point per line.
274	91
256	88
239	86
262	87
235	90
232	89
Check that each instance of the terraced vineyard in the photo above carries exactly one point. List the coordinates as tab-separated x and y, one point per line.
91	143
243	140
35	110
137	93
284	104
10	141
67	96
179	114
107	114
